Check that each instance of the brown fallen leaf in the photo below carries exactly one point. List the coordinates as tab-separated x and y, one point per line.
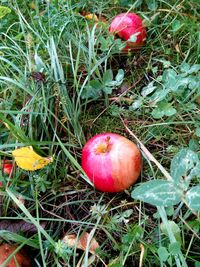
20	259
83	242
20	226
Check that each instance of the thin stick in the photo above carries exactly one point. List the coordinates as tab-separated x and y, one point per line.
141	254
148	154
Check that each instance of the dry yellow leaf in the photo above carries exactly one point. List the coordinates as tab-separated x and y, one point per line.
27	159
82	242
91	16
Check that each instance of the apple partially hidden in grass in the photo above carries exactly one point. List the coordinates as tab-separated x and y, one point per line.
129	27
20	259
7	167
111	161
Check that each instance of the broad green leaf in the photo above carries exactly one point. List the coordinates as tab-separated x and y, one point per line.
163	253
93	90
152	4
159	95
4	11
169	78
181	166
107	90
163	109
193	198
157	193
197	132
148	89
120	75
157	113
107	76
174	228
136	104
174	248
176	25
170	111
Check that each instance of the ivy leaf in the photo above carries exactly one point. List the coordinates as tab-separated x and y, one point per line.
169	78
148	89
193	198
157	193
182	165
120	76
136	104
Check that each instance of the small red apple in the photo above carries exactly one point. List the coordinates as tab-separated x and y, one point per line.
111	161
7	167
129	27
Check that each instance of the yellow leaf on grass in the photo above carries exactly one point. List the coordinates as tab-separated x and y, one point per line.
91	16
27	159
81	243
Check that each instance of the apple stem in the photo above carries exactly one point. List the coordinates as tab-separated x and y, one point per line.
103	147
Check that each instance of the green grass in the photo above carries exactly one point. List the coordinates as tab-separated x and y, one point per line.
58	110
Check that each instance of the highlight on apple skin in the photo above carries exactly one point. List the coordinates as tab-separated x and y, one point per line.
129	27
111	162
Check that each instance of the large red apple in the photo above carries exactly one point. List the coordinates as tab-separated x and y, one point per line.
129	27
111	161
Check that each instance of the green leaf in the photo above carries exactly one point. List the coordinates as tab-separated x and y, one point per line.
176	25
163	253
157	193
174	248
174	228
120	75
107	76
136	104
107	90
193	198
4	11
197	132
181	166
93	90
163	109
157	113
152	4
148	89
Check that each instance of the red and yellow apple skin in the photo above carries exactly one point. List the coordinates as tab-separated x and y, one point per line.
127	25
111	161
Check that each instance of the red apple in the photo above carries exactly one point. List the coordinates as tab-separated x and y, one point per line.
7	167
111	161
129	27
